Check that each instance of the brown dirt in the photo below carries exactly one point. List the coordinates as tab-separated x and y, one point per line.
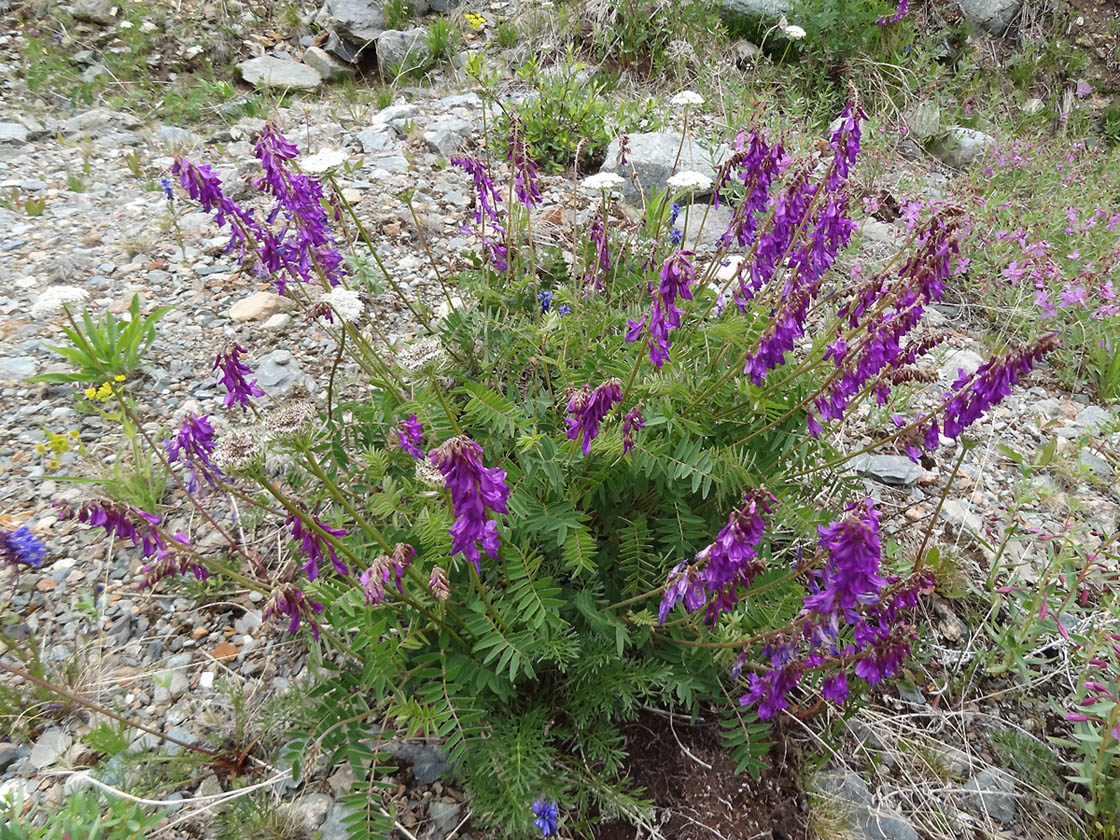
695	802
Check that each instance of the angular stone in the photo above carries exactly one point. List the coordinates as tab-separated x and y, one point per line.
444	816
342	50
96	119
993	15
957	514
958	147
754	8
13	132
1093	418
327	65
358	21
990	793
277	373
312	809
442	142
896	470
655	156
957	361
93	11
260	306
175	136
270	71
279	321
1094	463
443	6
924	120
402	52
373	140
17	367
877	231
50	747
428	762
710	222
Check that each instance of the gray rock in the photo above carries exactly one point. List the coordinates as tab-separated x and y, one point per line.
327	65
93	11
389	163
993	15
754	8
277	372
444	816
990	793
847	787
877	231
1093	418
172	135
395	114
13	132
97	119
17	367
312	809
1101	516
334	828
402	52
279	321
1094	463
357	21
270	71
958	147
9	754
442	142
955	513
957	361
896	470
342	50
249	622
885	824
850	792
443	6
374	140
654	156
924	120
428	762
50	747
470	100
710	222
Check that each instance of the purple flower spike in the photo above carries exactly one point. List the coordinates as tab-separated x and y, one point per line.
171	562
674	282
123	521
386	568
524	169
410	433
473	488
851	576
22	547
899	13
291	602
314	544
486	195
192	447
630	424
588	408
233	377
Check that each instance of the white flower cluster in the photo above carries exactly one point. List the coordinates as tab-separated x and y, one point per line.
322	161
686	98
690	180
346	304
602	182
56	298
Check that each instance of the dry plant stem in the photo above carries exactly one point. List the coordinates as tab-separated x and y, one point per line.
97	707
330	379
341	497
920	562
428	251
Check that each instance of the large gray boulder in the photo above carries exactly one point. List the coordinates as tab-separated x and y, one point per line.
327	65
358	21
993	15
402	52
270	71
656	155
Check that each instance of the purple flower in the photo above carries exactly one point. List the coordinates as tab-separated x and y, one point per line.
851	574
172	561
289	600
22	547
124	521
192	447
771	690
683	583
313	544
524	169
835	688
546	814
165	183
234	372
202	185
757	165
410	433
486	195
473	488
598	234
899	14
438	584
630	424
563	309
675	280
845	145
384	569
545	299
588	408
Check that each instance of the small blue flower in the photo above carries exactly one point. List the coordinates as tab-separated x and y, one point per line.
22	546
674	210
545	298
546	815
676	236
166	184
563	309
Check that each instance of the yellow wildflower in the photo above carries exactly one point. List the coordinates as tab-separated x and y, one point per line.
476	20
40	448
120	377
105	392
73	433
90	392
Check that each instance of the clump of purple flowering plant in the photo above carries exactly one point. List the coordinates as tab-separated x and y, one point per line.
643	469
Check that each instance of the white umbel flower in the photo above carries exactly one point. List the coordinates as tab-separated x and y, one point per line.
686	98
601	182
322	161
346	304
56	298
690	180
794	32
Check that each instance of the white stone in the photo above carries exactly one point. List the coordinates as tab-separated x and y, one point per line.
270	71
